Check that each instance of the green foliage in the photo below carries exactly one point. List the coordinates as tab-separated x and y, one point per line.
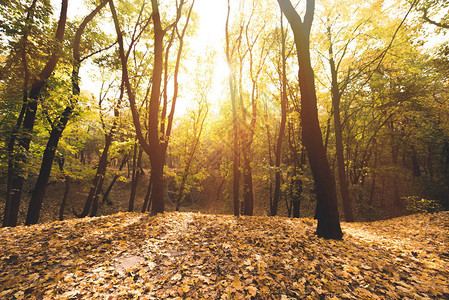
417	204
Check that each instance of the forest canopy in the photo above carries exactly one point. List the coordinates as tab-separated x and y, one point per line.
333	109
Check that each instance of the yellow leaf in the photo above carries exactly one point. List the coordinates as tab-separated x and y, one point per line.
252	291
33	277
237	284
176	277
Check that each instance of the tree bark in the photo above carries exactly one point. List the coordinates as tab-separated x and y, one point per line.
38	194
327	208
248	193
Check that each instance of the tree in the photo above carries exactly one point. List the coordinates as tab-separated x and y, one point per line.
58	126
284	104
434	8
235	123
16	176
197	118
159	123
187	147
327	208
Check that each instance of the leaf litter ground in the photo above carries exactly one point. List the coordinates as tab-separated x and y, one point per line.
190	255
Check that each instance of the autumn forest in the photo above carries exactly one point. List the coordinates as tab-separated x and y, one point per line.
329	108
179	120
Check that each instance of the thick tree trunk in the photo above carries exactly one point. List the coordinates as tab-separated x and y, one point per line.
270	157
327	208
15	131
157	179
235	171
37	197
156	149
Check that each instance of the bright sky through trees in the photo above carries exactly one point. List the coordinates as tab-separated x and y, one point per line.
209	38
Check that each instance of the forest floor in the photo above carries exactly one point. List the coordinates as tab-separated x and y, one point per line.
192	255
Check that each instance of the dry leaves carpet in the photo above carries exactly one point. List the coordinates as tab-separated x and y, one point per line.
188	255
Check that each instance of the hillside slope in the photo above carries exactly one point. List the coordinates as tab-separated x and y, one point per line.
188	255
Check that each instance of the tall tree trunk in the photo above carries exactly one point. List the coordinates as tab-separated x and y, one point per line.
342	179
328	129
235	126
16	170
157	179
327	207
270	157
38	194
157	153
446	158
248	193
157	143
16	129
278	149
